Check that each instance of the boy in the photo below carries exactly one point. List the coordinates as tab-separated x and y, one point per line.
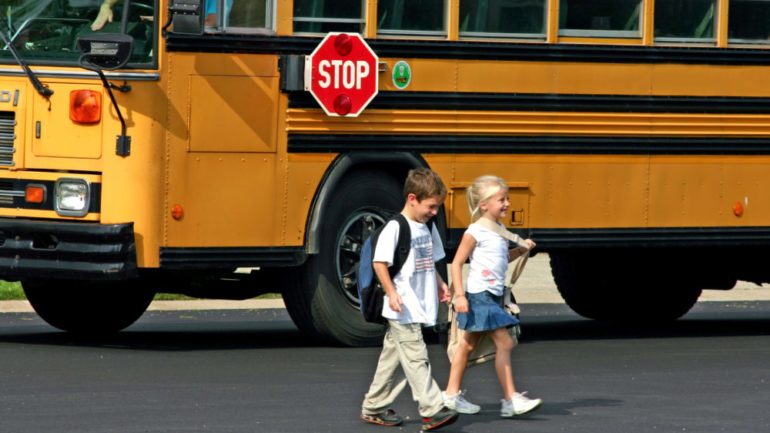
411	301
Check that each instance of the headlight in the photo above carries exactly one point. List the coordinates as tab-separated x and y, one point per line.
73	196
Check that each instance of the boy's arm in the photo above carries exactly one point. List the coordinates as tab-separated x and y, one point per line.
443	289
394	299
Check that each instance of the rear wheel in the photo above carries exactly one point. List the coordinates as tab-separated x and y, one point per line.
322	298
88	308
622	287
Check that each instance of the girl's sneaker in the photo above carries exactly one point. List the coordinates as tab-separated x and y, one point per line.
460	404
519	405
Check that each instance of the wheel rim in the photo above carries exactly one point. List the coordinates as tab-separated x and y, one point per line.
355	231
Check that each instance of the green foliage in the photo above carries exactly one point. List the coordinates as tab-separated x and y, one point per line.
11	291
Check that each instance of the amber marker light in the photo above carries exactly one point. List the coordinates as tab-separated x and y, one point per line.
85	106
34	194
738	209
177	212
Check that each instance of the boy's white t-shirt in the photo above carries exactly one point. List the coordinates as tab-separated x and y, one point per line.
488	261
416	282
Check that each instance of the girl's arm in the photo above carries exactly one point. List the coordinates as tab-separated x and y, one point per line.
467	244
515	253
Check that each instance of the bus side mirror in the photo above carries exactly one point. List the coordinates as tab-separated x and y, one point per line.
105	50
187	16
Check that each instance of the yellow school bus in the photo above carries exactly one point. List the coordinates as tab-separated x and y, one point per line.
173	148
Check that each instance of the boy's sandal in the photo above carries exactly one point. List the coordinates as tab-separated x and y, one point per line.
387	418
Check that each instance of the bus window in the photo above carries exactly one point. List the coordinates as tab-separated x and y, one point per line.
749	21
678	20
502	18
46	31
600	18
412	17
322	16
240	16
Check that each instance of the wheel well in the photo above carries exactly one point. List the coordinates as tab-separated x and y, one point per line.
393	164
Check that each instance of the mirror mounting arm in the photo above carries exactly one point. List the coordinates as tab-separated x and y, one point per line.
123	88
109	51
123	142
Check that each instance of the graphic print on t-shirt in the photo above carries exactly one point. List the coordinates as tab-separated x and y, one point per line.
489	276
423	253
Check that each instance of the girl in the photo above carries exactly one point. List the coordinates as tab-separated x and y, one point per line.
480	310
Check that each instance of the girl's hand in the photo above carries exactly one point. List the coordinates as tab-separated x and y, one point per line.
525	249
395	302
461	304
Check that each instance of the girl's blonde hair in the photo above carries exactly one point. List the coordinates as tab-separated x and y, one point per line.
481	190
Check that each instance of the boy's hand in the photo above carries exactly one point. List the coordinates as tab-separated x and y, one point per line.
443	292
395	302
530	243
461	304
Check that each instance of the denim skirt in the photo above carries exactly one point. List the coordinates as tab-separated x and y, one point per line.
485	313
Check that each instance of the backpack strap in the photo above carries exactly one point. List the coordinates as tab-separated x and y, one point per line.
497	228
403	244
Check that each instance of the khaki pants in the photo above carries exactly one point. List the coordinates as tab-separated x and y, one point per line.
403	345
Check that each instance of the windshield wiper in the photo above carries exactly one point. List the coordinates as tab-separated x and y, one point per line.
41	89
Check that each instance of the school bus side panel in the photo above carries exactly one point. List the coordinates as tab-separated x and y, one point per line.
132	186
223	166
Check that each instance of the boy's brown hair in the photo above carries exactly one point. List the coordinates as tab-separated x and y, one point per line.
424	183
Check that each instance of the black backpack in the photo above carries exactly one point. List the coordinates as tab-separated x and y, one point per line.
370	291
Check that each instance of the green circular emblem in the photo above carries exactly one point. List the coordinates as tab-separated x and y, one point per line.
402	74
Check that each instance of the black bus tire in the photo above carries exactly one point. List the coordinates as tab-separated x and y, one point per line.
316	298
88	308
622	287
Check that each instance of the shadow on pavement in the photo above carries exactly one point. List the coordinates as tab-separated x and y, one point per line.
705	320
171	331
264	329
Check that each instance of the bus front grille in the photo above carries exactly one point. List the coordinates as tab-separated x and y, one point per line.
7	137
6	193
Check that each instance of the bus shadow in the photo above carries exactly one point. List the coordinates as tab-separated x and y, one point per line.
172	341
705	320
580	329
172	331
265	329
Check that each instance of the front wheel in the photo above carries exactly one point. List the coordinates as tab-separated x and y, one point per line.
86	307
322	298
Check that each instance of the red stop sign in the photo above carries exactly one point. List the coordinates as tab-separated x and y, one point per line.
341	74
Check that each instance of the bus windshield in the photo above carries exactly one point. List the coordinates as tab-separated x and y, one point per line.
46	31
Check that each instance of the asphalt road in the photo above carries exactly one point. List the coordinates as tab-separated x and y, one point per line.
251	371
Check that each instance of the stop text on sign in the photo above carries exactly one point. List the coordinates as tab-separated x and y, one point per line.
347	74
342	74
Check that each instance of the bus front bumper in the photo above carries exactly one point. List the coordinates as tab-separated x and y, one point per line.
33	249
